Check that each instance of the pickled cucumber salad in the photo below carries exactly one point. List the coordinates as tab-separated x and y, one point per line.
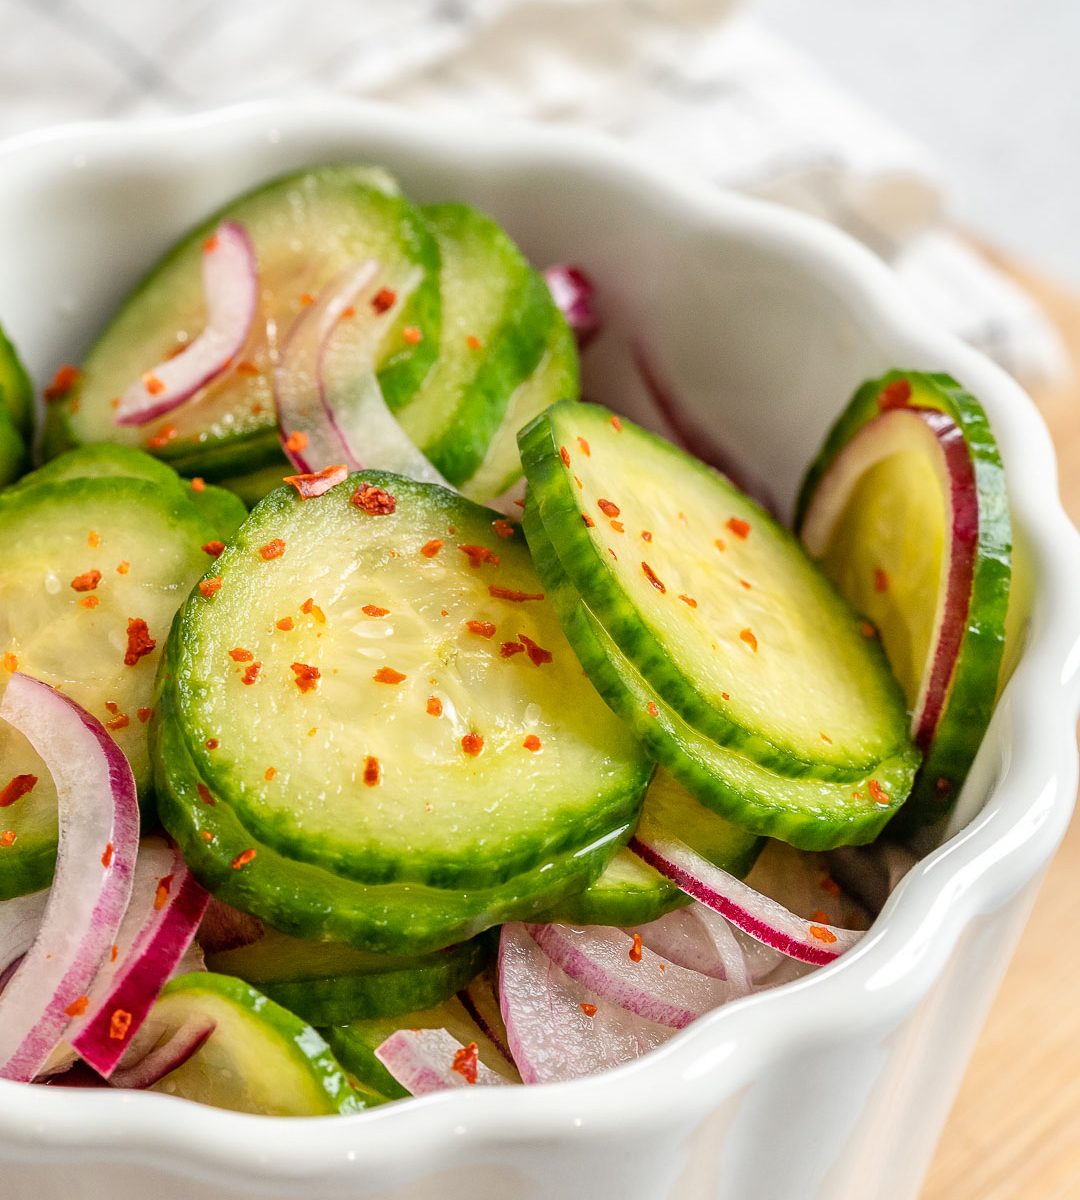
378	718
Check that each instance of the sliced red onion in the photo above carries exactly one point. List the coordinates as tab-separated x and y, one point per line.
20	919
433	1060
599	958
481	1001
557	1029
230	276
573	292
801	880
701	940
146	1062
226	928
167	904
98	842
755	914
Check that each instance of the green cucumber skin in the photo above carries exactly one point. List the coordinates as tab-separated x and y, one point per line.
973	691
560	518
400	373
622	906
358	1058
309	902
223	511
14	457
16	390
670	740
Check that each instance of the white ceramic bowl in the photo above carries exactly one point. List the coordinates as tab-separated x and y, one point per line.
834	1088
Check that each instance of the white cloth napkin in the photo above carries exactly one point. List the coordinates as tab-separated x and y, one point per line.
685	80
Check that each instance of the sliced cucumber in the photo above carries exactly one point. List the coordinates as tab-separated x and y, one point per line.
717	605
437	758
260	1058
104	461
305	228
14	458
497	316
906	508
251	487
223	511
146	543
807	812
16	390
330	983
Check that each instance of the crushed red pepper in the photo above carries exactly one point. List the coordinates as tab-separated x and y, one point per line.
11	661
307	677
273	549
316	483
311	608
93	539
285	624
239	654
588	1009
209	587
881	580
608	508
373	610
646	535
688	600
564	454
388	675
747	635
86	582
412	334
78	1006
119	1024
532	743
371	771
144	714
635	949
243	858
139	641
198	484
213	548
383	299
537	654
739	527
123	568
211	743
509	649
306	299
430	549
251	674
822	934
465	1062
616	424
472	744
90	602
205	795
651	576
163	437
501	593
503	528
651	709
269	773
720	544
121	721
618	526
375	501
434	706
161	893
296	441
894	395
867	630
479	554
589	522
63	381
107	855
821	916
246	367
879	794
473	342
584	447
829	885
7	838
484	629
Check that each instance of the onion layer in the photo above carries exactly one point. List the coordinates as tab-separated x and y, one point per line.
433	1060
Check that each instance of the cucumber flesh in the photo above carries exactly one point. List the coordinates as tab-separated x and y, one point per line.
260	1058
14	458
16	390
719	608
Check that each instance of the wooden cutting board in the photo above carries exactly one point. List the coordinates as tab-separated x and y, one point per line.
1014	1133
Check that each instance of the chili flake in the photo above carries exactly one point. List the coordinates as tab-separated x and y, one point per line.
942	786
608	508
531	743
509	649
434	706
501	593
347	314
239	654
430	549
7	838
11	661
198	484
375	501
90	602
484	629
311	608
211	743
209	587
867	630
829	885
163	437
306	299
537	654
894	395
86	582
112	706
651	709
371	771
688	600
465	1062
383	299
206	835
317	483
564	454
479	554
646	536
307	677
243	858
635	949
296	441
273	549
877	792
285	624
205	794
825	738
616	424
503	527
114	953
580	486
247	367
589	522
822	934
412	334
651	576
161	893
589	1009
107	855
123	568
373	610
821	916
584	447
388	675
122	721
63	381
720	544
747	635
739	527
251	673
119	1024
618	526
144	714
78	1006
139	641
93	539
472	744
881	580
473	342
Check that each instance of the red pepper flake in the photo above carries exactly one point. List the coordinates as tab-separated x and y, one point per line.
107	855
608	508
198	484
894	395
825	738
123	568
388	675
211	743
139	641
10	661
306	299
618	526
942	786
472	744
537	654
589	1009
310	607
473	342
646	536
247	367
239	654
881	580
867	630
243	858
7	838
119	1024
501	593
63	381
307	677
479	554
86	582
616	424
285	624
584	447
213	548
651	576
739	527
822	934
720	544
90	602
509	649
484	629
589	522
78	1006
580	486
635	949
531	743
122	721
153	384
430	549
651	709
829	885
877	792
269	774
747	635
348	313
162	438
272	549
371	771
211	244
465	1062
688	600
209	587
412	334
821	916
112	707
206	835
205	795
161	895
144	714
383	299
373	610
93	539
856	795
296	441
251	674
564	454
317	483
434	706
375	501
114	953
503	528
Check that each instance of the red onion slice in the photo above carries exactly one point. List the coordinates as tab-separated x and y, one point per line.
433	1060
701	940
481	1001
152	1057
615	967
230	275
573	292
167	904
755	914
557	1029
98	842
20	919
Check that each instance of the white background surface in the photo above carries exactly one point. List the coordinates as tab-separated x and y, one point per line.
992	86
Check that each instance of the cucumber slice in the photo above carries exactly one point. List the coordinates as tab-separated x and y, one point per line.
906	508
719	607
813	814
329	983
259	1059
305	228
103	461
14	458
50	535
250	488
16	390
497	314
223	511
422	768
